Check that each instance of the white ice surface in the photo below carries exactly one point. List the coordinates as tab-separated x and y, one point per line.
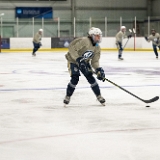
34	125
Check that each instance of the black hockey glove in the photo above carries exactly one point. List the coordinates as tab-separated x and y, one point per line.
146	38
82	65
129	36
100	74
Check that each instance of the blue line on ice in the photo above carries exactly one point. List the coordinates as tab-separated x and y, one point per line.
59	88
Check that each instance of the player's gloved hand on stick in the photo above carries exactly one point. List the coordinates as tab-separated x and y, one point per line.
82	65
100	74
129	36
146	38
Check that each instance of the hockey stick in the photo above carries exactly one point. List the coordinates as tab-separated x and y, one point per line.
125	44
128	39
89	54
134	32
145	101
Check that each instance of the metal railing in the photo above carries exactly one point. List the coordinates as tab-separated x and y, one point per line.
58	27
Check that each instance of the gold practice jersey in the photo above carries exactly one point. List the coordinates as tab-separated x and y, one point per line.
37	38
120	36
79	46
154	39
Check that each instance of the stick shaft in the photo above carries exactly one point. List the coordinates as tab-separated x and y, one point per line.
122	88
126	43
146	101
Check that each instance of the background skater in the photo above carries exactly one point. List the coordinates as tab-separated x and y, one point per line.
37	41
155	38
119	41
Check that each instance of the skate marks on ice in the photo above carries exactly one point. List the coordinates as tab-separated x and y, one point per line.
35	125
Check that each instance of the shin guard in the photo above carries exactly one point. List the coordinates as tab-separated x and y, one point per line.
95	88
70	89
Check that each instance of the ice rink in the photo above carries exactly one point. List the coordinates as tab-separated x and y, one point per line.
34	124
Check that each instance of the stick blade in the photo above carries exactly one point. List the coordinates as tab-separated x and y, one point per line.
152	100
134	31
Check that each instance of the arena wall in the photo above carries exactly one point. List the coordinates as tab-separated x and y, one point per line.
25	44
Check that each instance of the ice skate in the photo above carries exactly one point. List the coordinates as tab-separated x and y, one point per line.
157	57
120	58
66	100
101	100
33	54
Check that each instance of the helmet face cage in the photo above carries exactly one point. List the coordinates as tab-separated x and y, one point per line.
97	41
153	31
94	32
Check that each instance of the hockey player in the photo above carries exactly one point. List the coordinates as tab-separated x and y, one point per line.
155	38
37	41
119	39
78	49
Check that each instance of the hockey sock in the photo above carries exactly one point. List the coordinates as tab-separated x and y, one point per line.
35	49
120	54
95	89
70	89
72	85
155	51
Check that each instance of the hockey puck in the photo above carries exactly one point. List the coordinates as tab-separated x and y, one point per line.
147	106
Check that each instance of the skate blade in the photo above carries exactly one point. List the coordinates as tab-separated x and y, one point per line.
65	105
103	104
